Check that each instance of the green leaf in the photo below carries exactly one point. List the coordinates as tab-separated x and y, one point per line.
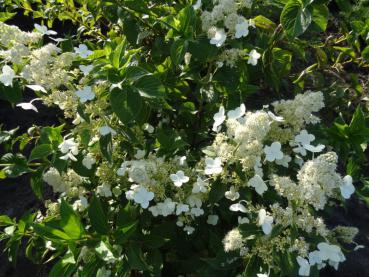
178	51
265	23
118	55
40	152
296	17
135	257
65	267
217	191
13	94
98	217
279	67
52	135
5	220
49	232
126	104
70	221
365	53
153	241
103	250
149	86
106	147
187	21
37	184
17	165
127	216
134	73
4	16
320	14
344	5
131	30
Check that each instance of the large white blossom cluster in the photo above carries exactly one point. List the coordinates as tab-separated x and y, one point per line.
224	21
270	169
246	155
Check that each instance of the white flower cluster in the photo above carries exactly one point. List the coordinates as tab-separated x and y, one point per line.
65	182
175	188
250	141
299	111
47	67
226	12
326	253
12	35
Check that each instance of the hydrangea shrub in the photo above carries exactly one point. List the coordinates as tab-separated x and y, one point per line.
162	166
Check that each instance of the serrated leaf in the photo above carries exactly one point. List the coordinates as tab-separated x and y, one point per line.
150	86
65	267
49	232
117	58
106	147
320	14
40	152
135	257
295	17
126	104
178	51
98	217
70	221
37	183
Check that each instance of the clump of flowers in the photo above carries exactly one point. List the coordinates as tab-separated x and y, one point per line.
258	187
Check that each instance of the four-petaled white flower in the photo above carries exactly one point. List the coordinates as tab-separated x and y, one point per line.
242	29
212	219
142	196
197	5
238	207
273	152
86	69
85	94
37	88
29	106
104	190
213	166
70	148
314	149
258	183
88	161
7	76
265	221
83	51
219	37
106	130
232	194
179	178
315	258
219	118
237	113
284	161
304	269
330	252
347	188
242	220
189	230
275	117
304	137
200	186
197	212
44	31
140	154
254	56
182	208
